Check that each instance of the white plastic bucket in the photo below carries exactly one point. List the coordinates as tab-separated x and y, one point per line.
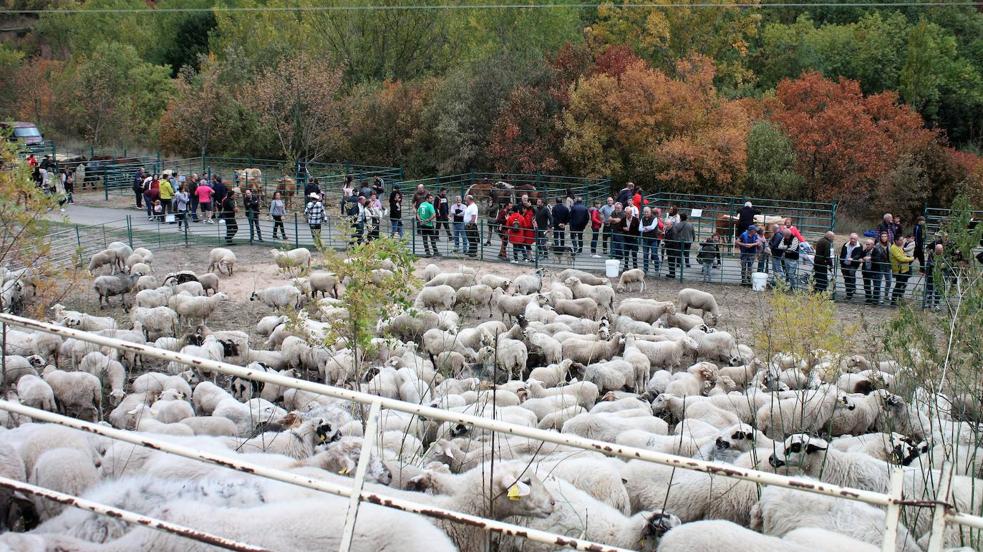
611	267
759	280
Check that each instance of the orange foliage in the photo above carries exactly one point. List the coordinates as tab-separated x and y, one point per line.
844	141
34	94
675	134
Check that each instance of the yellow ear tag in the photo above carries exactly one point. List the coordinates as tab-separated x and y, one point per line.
343	470
514	492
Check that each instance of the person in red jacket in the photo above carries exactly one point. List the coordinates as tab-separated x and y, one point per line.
519	227
596	222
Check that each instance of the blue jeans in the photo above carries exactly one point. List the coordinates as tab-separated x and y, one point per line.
460	242
707	267
615	246
650	250
629	248
541	243
594	236
776	269
747	266
193	207
395	227
790	267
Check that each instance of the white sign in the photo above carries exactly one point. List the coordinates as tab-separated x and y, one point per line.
696	213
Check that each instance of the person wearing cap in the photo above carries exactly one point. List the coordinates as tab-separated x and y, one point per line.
314	211
426	216
745	218
748	245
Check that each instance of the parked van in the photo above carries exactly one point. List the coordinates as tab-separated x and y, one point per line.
25	133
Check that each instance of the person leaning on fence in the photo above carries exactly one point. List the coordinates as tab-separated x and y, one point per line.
709	255
457	225
606	211
650	228
880	266
426	216
278	210
614	221
396	213
181	201
823	262
252	208
851	258
629	235
471	226
748	245
596	223
901	267
775	248
918	233
229	215
314	213
790	257
501	227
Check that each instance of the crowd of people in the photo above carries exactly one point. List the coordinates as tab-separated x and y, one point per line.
624	227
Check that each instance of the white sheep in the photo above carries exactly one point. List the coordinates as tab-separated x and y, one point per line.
645	310
586	352
551	375
156	382
221	259
191	309
664	354
436	298
294	258
278	297
78	394
150	298
36	393
110	286
110	372
191	288
527	284
455	280
607	426
804	411
156	321
141	269
296	442
584	307
64	470
689	298
495	281
146	281
861	412
101	259
478	295
585	277
629	277
718	535
322	282
603	295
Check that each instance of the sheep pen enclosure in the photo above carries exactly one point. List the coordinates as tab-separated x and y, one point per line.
524	409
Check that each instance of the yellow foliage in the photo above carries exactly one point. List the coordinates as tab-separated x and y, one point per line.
805	325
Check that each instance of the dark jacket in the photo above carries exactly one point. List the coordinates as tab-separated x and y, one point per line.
443	207
624	196
880	257
543	217
629	228
709	252
824	252
745	217
684	232
774	244
579	217
229	208
220	192
854	260
395	208
311	188
561	215
252	205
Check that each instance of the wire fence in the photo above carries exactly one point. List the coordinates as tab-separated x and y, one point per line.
896	501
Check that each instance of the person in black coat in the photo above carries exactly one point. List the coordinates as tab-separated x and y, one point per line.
851	259
823	262
443	207
579	219
745	218
561	218
543	219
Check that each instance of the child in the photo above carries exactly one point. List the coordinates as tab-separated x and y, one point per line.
278	209
708	255
181	201
158	210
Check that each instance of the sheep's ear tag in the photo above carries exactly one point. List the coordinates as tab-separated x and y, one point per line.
343	470
518	491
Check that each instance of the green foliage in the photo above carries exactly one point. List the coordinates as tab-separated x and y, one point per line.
369	297
771	163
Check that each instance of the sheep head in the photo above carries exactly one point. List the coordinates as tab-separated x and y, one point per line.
658	524
517	492
798	450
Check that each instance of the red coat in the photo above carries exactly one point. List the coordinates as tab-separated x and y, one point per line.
519	229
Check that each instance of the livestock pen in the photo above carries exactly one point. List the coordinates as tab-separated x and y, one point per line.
942	510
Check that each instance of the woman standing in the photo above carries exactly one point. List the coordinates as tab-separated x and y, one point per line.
519	228
229	215
278	210
629	238
396	213
181	201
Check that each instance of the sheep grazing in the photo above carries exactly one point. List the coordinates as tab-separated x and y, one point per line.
294	258
278	297
77	394
645	310
585	277
322	282
689	298
221	260
209	282
581	308
36	393
495	281
478	296
111	286
190	308
602	295
455	280
103	258
629	277
156	322
436	298
82	321
527	284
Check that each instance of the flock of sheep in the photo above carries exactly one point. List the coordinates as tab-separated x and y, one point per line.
554	351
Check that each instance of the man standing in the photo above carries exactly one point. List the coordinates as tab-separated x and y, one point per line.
426	217
932	294
229	215
823	262
614	222
501	227
192	193
672	246
748	245
419	196
901	268
137	186
867	272
606	211
851	258
919	234
314	211
443	206
650	228
252	206
561	217
745	218
686	235
396	212
629	234
471	226
880	261
166	194
596	223
887	225
542	220
457	225
775	248
579	217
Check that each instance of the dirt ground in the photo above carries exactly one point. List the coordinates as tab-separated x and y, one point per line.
740	307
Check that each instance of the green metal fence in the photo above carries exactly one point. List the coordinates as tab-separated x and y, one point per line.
719	213
935	218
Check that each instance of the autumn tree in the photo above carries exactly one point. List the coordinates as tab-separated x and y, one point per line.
676	134
845	141
298	102
771	163
200	112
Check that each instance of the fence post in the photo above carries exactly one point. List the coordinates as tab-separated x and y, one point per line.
129	230
105	242
363	463
186	229
413	237
937	538
481	240
78	236
158	234
296	231
105	186
894	510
